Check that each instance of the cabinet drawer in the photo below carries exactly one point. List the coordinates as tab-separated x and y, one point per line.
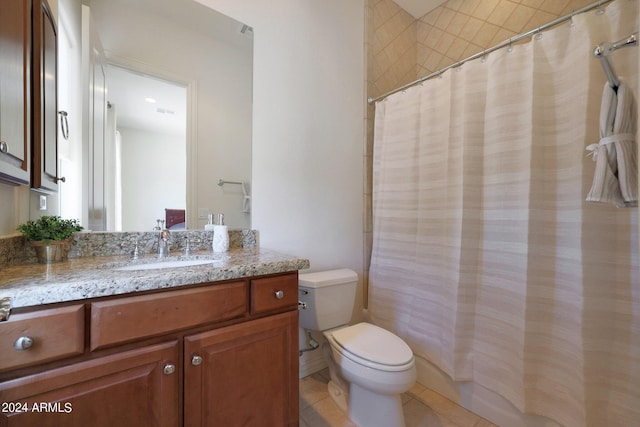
54	334
274	293
127	319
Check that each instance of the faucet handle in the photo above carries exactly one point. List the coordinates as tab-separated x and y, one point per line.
135	254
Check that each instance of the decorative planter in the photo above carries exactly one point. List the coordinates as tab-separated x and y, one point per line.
51	251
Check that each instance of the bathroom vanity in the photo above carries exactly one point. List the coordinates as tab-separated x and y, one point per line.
91	343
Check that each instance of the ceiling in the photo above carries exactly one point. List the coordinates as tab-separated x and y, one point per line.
418	8
129	91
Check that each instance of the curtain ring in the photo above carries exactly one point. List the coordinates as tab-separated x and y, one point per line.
538	35
510	48
64	124
484	56
571	23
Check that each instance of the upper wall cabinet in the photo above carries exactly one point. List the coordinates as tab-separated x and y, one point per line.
15	84
45	107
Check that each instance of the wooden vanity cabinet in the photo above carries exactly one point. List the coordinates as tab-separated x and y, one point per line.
132	388
15	91
223	354
43	335
243	375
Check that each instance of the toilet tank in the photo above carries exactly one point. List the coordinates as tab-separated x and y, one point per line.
329	296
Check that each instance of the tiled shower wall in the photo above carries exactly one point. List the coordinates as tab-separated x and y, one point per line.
401	49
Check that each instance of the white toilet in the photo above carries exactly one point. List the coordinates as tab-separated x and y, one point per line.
370	367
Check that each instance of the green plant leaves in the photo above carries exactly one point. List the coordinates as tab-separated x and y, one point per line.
49	228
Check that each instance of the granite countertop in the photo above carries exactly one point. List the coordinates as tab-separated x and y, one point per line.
91	277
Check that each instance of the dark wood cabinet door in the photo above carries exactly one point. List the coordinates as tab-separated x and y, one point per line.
15	82
243	375
133	388
45	104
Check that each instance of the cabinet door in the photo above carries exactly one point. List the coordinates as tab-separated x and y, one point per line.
15	63
134	388
45	108
243	375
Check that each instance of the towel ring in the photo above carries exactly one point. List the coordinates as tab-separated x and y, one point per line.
64	124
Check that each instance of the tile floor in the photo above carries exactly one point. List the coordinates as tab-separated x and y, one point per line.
422	407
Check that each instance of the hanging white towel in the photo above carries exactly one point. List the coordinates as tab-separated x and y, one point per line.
615	179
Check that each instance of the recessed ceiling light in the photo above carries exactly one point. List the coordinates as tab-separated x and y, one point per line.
150	100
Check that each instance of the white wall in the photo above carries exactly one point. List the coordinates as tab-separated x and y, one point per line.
14	207
148	187
308	126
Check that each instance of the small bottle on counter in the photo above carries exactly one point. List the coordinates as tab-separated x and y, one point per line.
220	235
209	225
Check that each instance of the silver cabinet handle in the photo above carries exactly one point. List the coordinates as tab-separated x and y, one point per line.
63	179
196	360
279	294
23	343
4	147
169	369
302	305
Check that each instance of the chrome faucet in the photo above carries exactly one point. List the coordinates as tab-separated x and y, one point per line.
163	246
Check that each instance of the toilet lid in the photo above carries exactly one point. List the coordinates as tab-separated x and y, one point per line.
372	343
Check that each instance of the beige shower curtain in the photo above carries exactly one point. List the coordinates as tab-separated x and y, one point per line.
486	257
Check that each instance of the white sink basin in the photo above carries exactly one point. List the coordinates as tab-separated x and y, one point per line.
169	264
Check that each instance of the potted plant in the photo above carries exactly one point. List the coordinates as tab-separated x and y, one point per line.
50	236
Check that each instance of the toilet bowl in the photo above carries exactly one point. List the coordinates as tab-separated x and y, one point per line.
370	367
378	366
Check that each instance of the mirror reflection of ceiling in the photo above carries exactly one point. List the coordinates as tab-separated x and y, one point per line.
189	14
168	114
146	103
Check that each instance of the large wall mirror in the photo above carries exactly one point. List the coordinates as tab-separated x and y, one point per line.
164	118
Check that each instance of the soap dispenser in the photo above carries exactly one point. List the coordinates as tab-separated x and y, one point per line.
209	225
220	235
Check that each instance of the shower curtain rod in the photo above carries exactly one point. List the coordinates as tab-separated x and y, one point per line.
505	43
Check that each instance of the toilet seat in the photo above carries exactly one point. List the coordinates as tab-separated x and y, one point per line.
372	346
